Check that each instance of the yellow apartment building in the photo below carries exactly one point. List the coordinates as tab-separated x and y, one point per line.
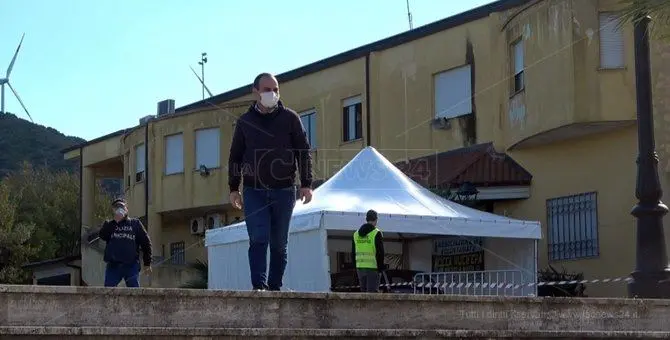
533	102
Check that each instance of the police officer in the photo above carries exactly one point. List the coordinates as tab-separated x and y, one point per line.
368	253
125	238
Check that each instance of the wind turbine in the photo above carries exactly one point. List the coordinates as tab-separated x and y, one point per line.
5	81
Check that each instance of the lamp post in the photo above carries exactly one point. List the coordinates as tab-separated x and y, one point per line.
202	62
467	193
651	277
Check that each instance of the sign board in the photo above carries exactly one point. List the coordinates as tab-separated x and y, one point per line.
458	254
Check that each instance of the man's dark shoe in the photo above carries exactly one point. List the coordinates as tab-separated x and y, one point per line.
273	289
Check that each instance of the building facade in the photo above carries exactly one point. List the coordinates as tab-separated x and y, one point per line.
532	102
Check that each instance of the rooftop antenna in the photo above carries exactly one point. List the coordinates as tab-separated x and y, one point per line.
409	16
202	62
202	82
5	81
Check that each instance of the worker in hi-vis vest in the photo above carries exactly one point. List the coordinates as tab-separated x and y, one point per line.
368	253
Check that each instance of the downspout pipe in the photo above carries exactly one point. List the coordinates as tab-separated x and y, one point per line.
368	132
146	174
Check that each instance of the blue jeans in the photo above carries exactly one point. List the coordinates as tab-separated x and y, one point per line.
129	272
267	213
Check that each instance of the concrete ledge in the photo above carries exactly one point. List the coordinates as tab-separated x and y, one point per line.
179	292
128	332
146	307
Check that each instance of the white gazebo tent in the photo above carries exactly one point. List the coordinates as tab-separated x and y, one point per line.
370	181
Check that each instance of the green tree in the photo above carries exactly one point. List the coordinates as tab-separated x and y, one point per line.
14	240
658	10
50	201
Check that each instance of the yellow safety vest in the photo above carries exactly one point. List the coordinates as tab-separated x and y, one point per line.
366	250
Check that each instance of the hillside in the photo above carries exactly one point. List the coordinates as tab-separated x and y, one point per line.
21	140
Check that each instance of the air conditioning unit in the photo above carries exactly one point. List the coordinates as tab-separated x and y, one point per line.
197	226
214	221
165	107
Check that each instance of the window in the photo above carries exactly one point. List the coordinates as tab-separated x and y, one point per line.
140	163
611	41
174	154
177	252
453	92
309	123
572	227
517	67
207	148
352	119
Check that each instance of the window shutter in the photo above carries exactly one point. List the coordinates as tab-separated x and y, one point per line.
207	148
518	57
174	154
518	66
139	158
453	92
611	41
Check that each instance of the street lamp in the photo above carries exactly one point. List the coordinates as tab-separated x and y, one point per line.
466	194
651	277
202	62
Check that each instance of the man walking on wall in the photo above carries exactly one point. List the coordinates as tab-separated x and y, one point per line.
368	253
269	144
125	238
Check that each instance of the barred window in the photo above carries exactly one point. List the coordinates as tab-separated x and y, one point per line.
177	250
572	227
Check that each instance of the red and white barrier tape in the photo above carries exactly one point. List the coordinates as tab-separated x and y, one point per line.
494	285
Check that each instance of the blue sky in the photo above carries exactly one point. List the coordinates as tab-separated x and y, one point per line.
88	68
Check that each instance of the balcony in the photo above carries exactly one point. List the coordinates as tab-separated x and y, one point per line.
573	84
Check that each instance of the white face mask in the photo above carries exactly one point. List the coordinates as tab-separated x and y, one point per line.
269	99
120	212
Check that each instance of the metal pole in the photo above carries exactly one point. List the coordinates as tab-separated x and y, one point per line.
409	16
651	278
202	73
202	62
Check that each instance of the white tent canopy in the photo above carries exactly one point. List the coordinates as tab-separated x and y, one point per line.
370	181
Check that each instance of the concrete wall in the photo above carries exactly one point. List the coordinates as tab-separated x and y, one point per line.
564	84
568	168
122	307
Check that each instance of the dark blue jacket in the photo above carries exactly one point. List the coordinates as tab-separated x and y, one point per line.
267	149
124	240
